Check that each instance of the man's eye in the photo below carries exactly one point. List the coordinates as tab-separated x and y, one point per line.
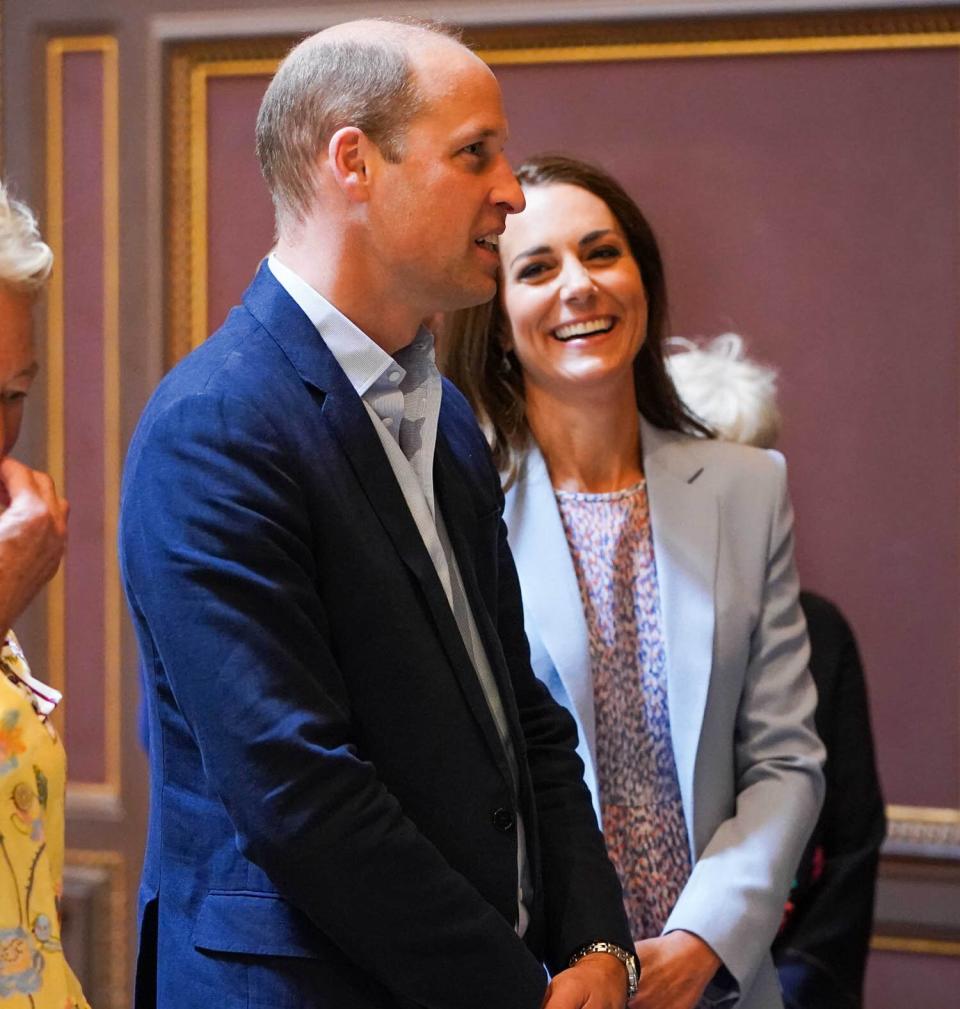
12	398
476	150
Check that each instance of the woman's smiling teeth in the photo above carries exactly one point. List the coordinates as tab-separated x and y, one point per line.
590	327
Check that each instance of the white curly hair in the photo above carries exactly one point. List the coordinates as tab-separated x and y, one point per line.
731	394
25	259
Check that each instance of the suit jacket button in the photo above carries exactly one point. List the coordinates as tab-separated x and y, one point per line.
503	819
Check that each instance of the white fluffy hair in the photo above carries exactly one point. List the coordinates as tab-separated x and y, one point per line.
25	259
731	394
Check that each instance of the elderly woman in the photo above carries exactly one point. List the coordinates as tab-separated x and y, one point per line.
659	587
33	972
821	948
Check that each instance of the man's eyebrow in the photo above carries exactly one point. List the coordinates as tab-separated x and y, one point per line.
485	134
539	250
28	372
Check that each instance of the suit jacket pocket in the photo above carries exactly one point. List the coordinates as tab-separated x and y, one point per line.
258	924
260	952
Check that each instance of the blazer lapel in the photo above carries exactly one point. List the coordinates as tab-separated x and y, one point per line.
347	418
685	518
458	510
551	592
344	412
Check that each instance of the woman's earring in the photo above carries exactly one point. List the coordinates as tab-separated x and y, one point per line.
505	368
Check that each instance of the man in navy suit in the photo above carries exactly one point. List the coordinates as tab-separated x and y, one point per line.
361	797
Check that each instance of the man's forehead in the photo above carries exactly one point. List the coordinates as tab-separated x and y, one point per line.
466	93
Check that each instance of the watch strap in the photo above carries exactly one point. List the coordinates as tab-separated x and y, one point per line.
626	957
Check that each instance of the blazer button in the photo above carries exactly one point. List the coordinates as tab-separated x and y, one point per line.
503	819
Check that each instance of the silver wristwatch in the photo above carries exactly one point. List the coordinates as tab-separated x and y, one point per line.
626	957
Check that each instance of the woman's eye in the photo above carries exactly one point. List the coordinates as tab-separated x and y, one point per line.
605	252
531	271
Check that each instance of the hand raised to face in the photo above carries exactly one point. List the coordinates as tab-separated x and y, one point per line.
33	534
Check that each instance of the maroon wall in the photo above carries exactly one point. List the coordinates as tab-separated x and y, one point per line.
239	212
84	393
905	980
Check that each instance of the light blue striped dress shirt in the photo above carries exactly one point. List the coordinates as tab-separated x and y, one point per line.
402	396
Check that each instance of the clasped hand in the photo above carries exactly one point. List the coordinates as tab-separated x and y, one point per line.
674	971
598	981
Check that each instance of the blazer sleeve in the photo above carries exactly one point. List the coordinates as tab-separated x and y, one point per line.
735	895
821	953
216	546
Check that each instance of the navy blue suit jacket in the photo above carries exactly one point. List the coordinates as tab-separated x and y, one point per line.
333	821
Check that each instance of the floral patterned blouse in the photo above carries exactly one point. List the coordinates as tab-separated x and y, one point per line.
33	971
612	549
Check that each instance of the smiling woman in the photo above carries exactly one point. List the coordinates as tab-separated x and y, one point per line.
660	596
579	206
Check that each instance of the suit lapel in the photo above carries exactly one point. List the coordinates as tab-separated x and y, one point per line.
458	510
551	592
685	519
345	414
343	411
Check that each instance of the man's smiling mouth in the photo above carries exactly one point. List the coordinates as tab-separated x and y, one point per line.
591	327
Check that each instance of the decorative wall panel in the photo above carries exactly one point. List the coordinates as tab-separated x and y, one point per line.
94	909
83	393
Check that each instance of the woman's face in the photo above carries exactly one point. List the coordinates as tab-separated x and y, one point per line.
572	293
18	367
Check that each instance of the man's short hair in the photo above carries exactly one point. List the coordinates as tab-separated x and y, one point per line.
324	85
25	259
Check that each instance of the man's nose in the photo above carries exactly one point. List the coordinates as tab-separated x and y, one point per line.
506	190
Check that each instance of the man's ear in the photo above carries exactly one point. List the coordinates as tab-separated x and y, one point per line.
348	155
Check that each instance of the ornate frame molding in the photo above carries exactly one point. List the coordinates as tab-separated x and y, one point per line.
923	832
102	797
189	67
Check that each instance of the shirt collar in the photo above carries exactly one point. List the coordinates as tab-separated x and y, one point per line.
362	360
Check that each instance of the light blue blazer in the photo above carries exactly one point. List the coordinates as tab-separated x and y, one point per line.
741	700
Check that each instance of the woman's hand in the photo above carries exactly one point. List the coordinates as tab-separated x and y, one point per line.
674	971
33	532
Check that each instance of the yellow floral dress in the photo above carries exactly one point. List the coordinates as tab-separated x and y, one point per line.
33	971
